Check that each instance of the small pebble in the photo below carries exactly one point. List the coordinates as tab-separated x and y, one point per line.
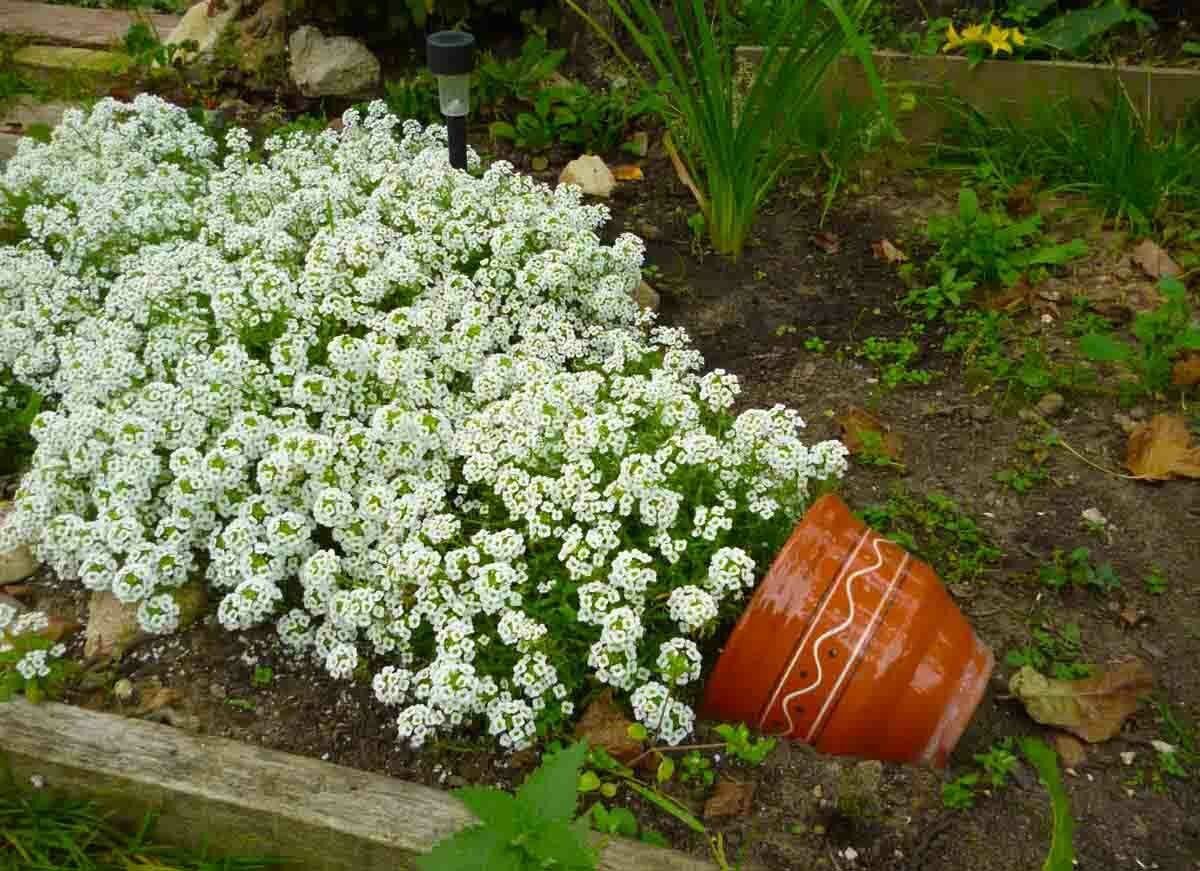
1050	404
123	689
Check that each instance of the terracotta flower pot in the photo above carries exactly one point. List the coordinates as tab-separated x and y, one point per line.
852	645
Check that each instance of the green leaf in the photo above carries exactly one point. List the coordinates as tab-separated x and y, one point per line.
562	844
968	205
1044	760
1192	48
549	793
1103	348
608	790
666	769
502	130
589	781
669	805
475	849
1072	31
637	732
1188	340
493	807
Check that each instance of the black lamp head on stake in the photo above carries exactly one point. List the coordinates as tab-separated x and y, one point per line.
451	57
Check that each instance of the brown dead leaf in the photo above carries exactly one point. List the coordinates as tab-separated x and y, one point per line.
1186	371
1020	202
730	799
1131	616
1070	749
1162	448
885	250
1154	261
863	432
1011	298
1094	708
827	242
154	698
604	725
627	172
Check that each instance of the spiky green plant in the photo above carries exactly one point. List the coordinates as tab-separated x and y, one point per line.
736	133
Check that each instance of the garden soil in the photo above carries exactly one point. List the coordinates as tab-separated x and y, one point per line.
796	281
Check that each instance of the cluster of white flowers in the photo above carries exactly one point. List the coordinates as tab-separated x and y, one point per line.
408	413
33	663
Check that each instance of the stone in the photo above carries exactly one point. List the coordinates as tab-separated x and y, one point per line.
336	66
112	626
18	563
8	145
1050	404
204	24
50	59
646	297
981	413
590	174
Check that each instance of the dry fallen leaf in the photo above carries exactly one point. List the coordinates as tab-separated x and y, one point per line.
1093	708
863	432
154	698
627	172
1154	261
1020	202
1011	298
1162	448
1071	750
827	242
605	725
729	800
1131	616
885	250
1186	371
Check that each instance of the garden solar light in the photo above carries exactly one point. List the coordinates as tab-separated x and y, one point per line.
451	56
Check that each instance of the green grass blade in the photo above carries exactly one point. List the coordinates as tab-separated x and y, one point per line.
1045	762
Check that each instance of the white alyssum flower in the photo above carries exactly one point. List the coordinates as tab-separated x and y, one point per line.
408	414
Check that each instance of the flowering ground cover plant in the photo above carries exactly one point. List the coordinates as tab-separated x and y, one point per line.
409	414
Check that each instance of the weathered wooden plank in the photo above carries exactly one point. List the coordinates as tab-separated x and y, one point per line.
237	798
1161	94
72	25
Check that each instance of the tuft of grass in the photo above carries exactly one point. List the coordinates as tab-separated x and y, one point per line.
43	832
1133	171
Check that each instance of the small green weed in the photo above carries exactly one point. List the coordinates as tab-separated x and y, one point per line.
1182	759
19	405
534	828
936	529
1022	478
742	746
994	768
696	769
1156	581
1160	335
148	52
263	676
414	97
244	705
895	358
988	247
816	344
1052	651
1075	568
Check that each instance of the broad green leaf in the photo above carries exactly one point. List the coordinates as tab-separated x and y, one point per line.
608	790
475	849
1189	340
502	130
493	807
562	843
1056	255
1103	348
589	781
1032	7
968	204
549	793
637	732
1072	31
1044	761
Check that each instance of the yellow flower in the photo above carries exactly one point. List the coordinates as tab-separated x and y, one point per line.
997	38
953	40
1018	37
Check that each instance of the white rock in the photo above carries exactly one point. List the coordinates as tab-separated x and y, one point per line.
589	173
197	24
16	564
335	66
646	296
112	626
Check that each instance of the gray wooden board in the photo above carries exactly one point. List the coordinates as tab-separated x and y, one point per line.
238	798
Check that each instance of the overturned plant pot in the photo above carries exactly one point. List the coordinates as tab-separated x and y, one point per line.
854	646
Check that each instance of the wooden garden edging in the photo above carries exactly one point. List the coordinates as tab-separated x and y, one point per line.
1161	95
234	798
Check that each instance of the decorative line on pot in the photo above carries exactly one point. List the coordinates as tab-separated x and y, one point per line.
912	671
